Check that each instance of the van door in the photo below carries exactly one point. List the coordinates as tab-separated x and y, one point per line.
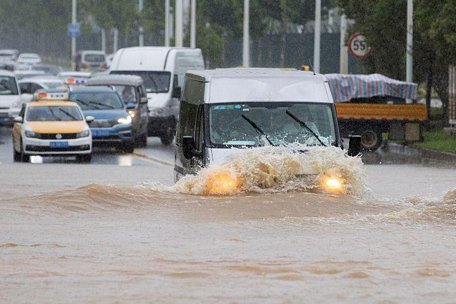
143	108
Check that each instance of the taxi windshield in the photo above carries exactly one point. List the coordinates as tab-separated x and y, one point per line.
8	86
53	113
282	123
97	100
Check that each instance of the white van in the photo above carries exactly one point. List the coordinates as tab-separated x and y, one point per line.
223	110
163	70
10	97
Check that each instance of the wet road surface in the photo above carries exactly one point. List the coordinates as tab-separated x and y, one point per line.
107	232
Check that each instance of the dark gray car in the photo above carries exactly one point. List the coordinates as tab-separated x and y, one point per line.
132	91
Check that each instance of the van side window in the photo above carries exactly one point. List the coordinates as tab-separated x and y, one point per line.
175	81
25	88
199	128
188	115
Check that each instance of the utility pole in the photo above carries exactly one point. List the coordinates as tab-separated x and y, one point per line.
193	24
166	22
179	26
141	29
317	36
73	38
409	63
103	40
115	40
246	37
343	67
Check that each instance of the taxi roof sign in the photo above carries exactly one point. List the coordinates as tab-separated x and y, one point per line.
51	96
75	81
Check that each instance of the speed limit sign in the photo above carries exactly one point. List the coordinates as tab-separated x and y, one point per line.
357	45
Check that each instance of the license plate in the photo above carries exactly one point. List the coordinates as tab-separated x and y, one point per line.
100	133
58	144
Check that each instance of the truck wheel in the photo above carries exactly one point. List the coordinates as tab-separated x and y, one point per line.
167	137
371	139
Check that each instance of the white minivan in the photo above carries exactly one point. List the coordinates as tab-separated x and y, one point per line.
225	110
163	70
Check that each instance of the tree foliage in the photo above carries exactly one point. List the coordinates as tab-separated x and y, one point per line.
384	24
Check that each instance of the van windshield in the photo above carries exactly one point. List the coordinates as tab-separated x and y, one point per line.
94	58
154	81
281	123
8	85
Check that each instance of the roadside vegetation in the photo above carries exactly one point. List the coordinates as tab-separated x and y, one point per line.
438	140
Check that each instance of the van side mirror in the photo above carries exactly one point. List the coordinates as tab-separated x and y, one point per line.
143	100
189	147
177	92
18	119
354	145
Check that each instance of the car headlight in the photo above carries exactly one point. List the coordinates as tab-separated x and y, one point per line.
84	133
31	134
124	120
133	113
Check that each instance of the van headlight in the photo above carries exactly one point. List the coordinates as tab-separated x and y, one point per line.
124	120
31	134
84	133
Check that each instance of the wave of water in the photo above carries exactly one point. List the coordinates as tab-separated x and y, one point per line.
277	169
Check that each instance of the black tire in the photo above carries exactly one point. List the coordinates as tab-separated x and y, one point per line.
371	138
24	157
16	155
128	148
85	158
167	138
141	141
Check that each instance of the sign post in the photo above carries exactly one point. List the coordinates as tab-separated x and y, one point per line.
358	47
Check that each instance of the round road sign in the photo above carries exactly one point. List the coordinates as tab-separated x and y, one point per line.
357	45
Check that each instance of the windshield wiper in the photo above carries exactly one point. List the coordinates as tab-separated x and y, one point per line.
304	125
68	114
54	115
255	126
101	104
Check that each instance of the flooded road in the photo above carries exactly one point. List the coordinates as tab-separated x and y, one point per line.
101	234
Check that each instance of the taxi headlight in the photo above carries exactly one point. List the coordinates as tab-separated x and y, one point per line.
84	133
124	120
31	134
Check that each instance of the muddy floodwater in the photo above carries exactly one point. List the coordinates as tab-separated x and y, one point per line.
393	242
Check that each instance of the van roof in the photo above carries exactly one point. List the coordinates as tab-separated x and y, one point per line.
255	73
263	85
119	79
146	57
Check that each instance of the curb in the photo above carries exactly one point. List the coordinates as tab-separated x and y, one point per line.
426	155
155	159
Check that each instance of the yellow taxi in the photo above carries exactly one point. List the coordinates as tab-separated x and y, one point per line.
50	125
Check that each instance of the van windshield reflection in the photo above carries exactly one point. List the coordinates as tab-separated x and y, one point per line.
154	81
258	124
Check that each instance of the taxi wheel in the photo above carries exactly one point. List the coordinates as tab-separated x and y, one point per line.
16	155
24	157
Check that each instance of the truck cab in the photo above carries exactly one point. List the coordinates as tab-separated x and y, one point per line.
223	111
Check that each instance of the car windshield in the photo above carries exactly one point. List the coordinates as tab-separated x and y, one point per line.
256	124
54	84
155	82
94	58
8	86
97	100
127	93
53	113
